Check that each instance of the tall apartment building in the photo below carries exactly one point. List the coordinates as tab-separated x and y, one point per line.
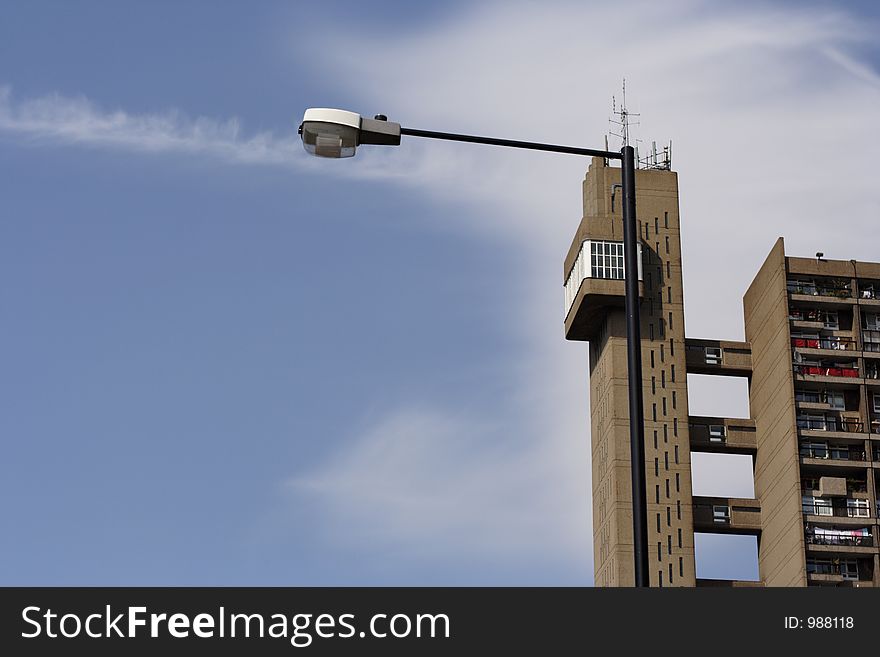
812	361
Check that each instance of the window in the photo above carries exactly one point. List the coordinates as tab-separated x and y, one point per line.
830	320
717	433
802	287
816	422
810	483
871	340
721	514
876	398
820	567
857	508
606	259
808	396
835	400
713	355
817	506
872	321
815	450
849	569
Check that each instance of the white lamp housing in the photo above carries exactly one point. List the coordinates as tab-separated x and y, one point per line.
330	132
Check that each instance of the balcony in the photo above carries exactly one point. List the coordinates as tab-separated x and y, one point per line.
721	515
818	508
842	372
719	357
722	435
594	285
818	422
832	452
839	537
834	570
826	343
832	288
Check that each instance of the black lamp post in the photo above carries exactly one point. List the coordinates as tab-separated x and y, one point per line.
337	133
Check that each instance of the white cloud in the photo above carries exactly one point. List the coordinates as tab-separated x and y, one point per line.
427	480
69	120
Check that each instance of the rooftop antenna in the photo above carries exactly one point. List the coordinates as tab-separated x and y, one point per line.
622	120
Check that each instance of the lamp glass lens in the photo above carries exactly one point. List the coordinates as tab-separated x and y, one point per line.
329	139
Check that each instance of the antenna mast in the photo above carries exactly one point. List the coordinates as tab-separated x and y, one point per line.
622	118
621	124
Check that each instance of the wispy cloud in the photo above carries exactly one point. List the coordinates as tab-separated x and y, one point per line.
76	120
441	483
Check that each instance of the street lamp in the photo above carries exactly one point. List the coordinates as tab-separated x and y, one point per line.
337	133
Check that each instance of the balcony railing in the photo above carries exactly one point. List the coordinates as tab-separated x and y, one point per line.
836	343
822	370
839	289
836	511
835	453
848	571
844	424
829	319
856	540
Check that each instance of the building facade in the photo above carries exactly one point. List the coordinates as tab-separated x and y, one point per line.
812	361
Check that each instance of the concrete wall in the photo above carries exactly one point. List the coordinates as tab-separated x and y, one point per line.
771	397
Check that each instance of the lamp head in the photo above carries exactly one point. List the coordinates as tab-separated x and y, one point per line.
330	132
337	133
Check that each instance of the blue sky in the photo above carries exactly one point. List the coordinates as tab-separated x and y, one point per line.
227	363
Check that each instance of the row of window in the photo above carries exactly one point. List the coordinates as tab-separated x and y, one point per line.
597	259
820	450
846	568
831	318
820	506
834	287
